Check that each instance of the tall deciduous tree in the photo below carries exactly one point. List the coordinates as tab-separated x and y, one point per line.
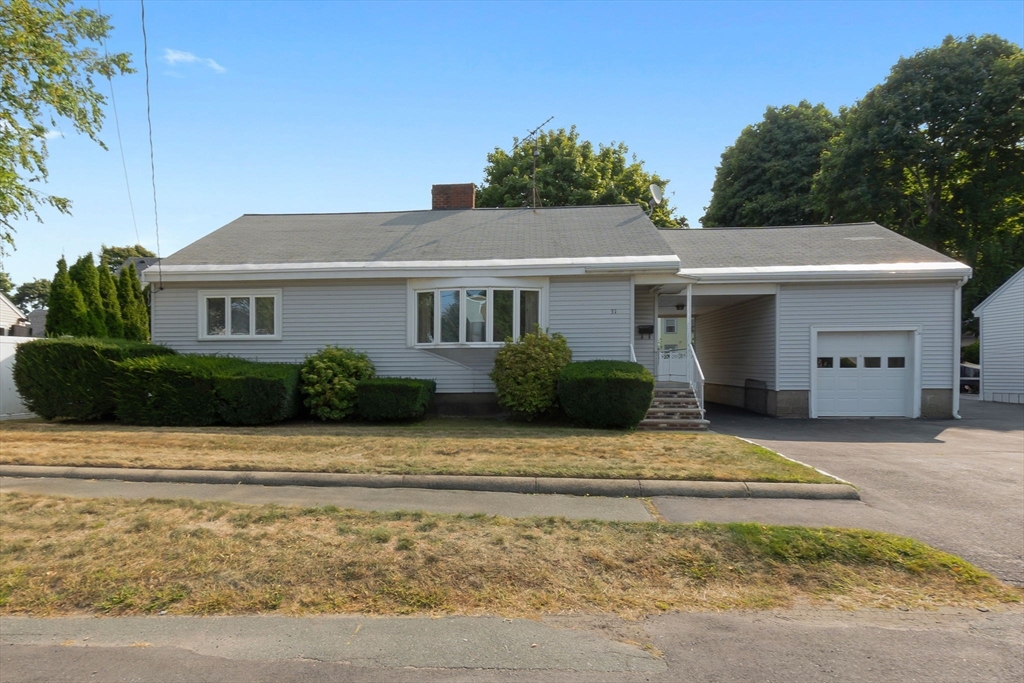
571	172
115	256
86	277
936	152
112	317
48	62
32	295
68	314
133	305
765	177
6	284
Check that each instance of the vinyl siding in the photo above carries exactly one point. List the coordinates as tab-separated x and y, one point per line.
644	315
1002	345
369	316
593	314
9	315
852	306
737	343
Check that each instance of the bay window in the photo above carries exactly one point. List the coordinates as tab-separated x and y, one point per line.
475	315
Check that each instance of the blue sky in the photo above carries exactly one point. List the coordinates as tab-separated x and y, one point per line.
320	106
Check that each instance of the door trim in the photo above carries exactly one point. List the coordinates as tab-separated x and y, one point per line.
812	399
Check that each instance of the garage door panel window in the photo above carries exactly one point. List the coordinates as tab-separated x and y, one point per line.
825	361
872	361
897	362
848	361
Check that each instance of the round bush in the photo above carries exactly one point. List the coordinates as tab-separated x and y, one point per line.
329	378
606	393
525	373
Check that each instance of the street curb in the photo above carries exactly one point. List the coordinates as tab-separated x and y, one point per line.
615	488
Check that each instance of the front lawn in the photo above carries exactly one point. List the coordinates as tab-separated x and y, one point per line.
117	557
434	446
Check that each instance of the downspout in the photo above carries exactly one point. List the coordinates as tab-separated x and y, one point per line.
632	317
957	332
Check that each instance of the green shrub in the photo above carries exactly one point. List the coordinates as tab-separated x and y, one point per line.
329	379
69	377
394	398
606	393
525	373
203	390
971	353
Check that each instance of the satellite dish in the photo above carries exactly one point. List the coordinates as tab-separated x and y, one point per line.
656	192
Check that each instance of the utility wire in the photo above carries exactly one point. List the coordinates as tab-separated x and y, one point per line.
120	145
152	160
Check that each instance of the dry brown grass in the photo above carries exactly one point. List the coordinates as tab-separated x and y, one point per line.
437	446
61	556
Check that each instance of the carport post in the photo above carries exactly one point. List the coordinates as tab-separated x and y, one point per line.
689	308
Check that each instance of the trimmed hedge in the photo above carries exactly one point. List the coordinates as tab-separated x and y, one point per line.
196	391
525	373
70	377
606	393
394	398
971	353
329	379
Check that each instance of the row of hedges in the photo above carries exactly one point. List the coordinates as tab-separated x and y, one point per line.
197	391
146	384
535	376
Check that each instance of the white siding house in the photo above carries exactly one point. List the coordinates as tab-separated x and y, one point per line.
834	320
9	315
1001	326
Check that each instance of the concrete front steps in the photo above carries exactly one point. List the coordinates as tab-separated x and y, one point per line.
674	407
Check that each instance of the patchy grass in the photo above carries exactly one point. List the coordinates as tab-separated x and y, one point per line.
437	446
105	556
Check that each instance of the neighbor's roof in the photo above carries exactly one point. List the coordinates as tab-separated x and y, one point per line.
428	236
807	245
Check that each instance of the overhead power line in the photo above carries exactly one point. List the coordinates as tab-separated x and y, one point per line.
152	159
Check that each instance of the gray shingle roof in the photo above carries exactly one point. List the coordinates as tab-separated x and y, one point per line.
809	245
460	235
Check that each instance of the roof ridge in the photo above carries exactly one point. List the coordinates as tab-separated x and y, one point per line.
478	208
774	227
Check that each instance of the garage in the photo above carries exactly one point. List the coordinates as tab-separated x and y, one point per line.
864	374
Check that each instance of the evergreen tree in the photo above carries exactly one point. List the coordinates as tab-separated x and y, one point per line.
111	306
87	278
133	305
68	314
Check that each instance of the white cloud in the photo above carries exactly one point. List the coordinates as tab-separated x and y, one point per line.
53	134
173	57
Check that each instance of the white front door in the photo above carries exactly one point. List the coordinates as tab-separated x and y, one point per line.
864	374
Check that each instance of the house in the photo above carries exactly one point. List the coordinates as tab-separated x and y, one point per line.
1001	328
37	321
12	320
825	320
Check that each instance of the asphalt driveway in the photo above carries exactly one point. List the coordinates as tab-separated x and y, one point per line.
955	484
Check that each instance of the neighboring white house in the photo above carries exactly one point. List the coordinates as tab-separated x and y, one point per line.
10	315
1001	329
844	320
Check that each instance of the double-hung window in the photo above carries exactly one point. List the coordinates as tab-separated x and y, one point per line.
475	315
240	314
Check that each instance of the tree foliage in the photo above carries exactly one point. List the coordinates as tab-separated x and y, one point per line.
48	62
32	295
68	314
115	256
936	152
570	172
112	315
6	284
87	278
765	177
134	313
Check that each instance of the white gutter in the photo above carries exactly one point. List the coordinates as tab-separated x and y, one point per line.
840	272
403	269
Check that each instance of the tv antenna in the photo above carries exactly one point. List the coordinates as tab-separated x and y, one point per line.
532	137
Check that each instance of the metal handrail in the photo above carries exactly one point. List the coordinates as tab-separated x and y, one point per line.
632	352
696	376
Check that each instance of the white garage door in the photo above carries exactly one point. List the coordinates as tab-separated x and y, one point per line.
864	374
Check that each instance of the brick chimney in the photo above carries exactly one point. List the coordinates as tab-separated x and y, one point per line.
459	196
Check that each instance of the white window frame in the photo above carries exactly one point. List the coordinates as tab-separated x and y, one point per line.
417	287
227	294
